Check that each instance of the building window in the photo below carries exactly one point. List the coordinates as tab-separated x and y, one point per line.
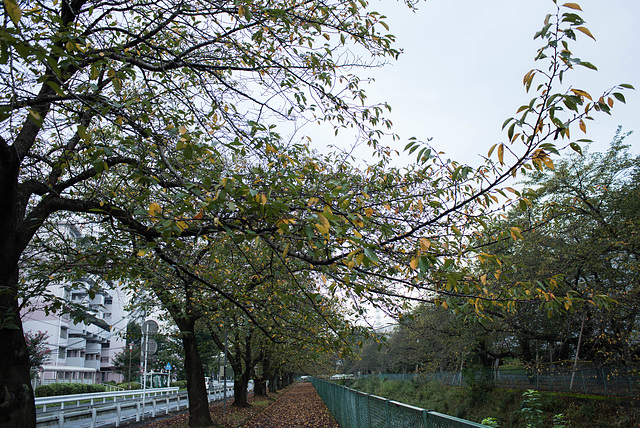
62	353
108	301
107	315
63	332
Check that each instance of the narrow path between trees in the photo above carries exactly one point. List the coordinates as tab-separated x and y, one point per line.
299	407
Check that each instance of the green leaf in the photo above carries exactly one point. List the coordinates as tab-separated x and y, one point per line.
626	85
619	97
576	148
371	255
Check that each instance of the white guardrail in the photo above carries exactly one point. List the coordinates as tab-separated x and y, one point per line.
90	405
103	396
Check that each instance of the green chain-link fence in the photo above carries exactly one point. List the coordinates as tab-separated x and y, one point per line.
355	409
603	381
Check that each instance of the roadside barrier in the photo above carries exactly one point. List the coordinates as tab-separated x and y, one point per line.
355	409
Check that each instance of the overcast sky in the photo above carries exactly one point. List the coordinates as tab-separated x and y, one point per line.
460	75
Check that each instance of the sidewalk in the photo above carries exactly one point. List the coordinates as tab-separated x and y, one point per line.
299	407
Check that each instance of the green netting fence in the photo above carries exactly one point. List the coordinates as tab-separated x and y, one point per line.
355	409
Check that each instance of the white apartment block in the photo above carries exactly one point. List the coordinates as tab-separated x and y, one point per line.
84	352
81	353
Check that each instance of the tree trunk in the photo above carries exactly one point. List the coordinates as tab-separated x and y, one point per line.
240	386
17	408
273	384
260	382
199	415
259	387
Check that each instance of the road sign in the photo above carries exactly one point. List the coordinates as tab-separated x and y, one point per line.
150	327
168	366
150	346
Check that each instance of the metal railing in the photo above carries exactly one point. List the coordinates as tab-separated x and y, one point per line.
117	407
355	409
91	398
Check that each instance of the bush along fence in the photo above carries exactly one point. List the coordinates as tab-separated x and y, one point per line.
355	409
605	381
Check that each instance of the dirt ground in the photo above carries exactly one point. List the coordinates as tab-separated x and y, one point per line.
298	406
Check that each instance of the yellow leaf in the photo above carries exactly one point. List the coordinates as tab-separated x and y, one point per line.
515	233
240	11
444	304
154	208
143	252
182	225
368	212
501	153
586	31
414	264
198	216
483	279
424	244
358	234
582	93
548	162
582	126
574	6
324	225
13	10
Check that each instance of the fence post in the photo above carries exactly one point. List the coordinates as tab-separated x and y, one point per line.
60	419
167	401
94	416
355	409
425	415
118	414
387	413
138	411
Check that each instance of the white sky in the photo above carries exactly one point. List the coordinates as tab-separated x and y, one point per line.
460	75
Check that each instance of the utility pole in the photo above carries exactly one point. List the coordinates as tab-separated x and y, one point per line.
224	399
149	346
130	352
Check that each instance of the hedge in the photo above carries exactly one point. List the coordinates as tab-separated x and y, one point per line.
67	389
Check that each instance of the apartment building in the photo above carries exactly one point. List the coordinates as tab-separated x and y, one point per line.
82	352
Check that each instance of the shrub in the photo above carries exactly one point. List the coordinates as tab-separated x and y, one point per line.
182	384
67	389
130	385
